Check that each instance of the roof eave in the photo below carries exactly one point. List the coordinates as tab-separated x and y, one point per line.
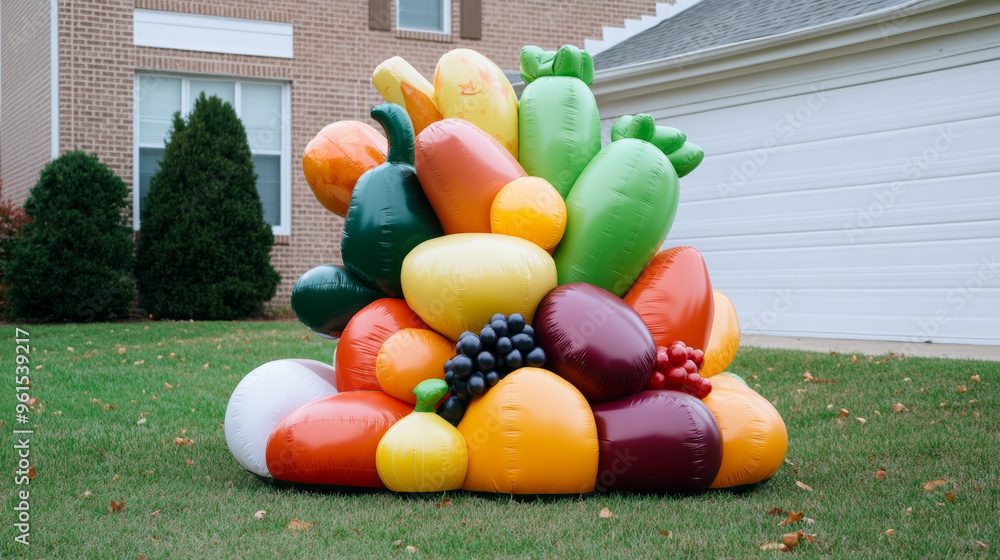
883	24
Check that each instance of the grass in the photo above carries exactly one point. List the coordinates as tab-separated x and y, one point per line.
205	508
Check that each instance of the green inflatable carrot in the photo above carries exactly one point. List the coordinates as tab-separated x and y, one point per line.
620	209
389	214
558	124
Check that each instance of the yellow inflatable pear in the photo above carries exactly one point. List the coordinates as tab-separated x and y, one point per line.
423	452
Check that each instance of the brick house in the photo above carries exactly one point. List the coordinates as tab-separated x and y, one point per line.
105	77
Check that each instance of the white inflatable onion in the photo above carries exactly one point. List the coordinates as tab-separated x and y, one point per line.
264	397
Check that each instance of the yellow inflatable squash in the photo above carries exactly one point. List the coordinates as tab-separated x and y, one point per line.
724	341
457	282
754	438
533	433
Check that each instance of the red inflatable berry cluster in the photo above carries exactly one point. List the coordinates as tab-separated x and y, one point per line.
677	368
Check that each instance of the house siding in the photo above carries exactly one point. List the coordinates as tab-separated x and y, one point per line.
25	102
335	53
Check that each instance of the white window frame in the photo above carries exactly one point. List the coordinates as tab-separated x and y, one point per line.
446	15
285	227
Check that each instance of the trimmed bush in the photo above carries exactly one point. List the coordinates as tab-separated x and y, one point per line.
204	247
72	261
12	221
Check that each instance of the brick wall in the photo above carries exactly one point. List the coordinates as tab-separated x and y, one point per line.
25	99
335	54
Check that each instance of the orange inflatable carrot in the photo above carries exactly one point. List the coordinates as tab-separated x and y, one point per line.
333	440
461	169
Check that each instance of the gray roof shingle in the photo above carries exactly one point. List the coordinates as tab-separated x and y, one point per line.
714	23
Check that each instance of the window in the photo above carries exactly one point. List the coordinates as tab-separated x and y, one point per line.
264	108
424	15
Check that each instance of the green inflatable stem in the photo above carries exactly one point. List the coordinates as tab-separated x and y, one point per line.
568	61
398	130
685	156
642	127
428	393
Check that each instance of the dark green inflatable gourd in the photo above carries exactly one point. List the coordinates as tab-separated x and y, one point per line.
389	214
620	209
326	297
558	122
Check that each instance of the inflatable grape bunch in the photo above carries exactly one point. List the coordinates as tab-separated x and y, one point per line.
507	321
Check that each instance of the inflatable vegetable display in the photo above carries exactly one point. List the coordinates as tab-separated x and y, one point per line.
534	341
389	214
619	212
423	452
560	128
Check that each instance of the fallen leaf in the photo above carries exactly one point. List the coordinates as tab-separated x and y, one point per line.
204	366
259	514
139	363
607	514
582	507
934	484
808	521
115	477
188	462
793	516
880	473
861	420
898	407
443	503
183	442
666	533
69	348
949	496
982	545
776	511
155	514
411	549
118	506
121	350
296	525
962	389
791	540
803	486
890	531
172	355
141	421
32	401
86	494
167	386
780	547
356	530
844	413
977	379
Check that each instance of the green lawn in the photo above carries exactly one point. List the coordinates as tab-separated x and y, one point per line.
96	382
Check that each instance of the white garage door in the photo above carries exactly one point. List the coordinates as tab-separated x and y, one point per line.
865	211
